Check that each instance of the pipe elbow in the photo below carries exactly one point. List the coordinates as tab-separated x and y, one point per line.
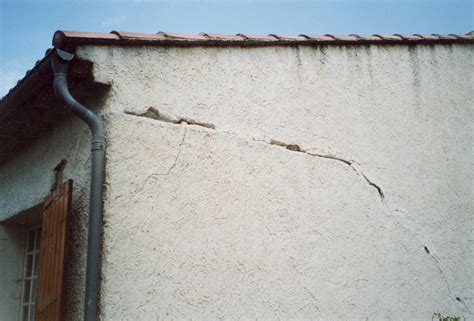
61	89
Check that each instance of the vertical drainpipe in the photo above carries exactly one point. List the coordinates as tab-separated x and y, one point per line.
60	63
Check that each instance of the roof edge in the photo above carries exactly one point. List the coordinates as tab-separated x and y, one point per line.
21	91
66	39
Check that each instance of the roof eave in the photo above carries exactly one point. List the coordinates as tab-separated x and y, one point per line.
33	78
31	109
70	39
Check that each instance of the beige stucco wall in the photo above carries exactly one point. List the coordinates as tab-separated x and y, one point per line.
371	218
273	182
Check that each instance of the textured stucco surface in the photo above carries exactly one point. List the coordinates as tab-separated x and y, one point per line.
12	247
373	220
275	182
29	177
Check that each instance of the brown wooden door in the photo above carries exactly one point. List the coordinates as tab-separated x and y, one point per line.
57	209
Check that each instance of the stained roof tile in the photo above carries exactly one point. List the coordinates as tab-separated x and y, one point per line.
288	37
343	37
318	38
181	36
88	35
365	38
466	36
426	37
444	37
388	37
61	36
221	37
258	37
408	37
138	36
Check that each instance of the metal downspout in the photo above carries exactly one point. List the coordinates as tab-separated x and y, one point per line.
60	63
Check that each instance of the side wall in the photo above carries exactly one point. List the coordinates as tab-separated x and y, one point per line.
287	182
12	252
26	179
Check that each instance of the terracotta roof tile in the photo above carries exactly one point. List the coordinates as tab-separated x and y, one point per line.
342	37
444	37
318	38
89	35
221	37
139	36
388	37
408	37
365	38
427	37
181	36
288	37
257	37
72	38
60	36
466	36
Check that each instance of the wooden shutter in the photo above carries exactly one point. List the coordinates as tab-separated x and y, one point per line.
57	209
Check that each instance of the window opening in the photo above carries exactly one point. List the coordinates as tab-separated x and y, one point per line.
30	274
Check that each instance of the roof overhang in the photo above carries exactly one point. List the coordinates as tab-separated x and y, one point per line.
30	109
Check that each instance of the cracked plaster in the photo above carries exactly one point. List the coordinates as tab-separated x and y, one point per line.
280	182
399	131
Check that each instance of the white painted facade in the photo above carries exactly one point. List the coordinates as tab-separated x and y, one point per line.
273	182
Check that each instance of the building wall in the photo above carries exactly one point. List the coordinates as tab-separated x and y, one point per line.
24	181
12	250
287	182
273	182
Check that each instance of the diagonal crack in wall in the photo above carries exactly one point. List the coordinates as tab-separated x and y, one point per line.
168	172
154	113
398	215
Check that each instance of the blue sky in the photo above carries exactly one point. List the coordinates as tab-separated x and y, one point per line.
26	27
